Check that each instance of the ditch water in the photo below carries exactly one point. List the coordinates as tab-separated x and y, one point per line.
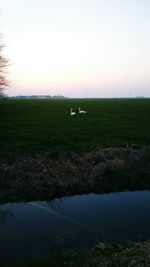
71	223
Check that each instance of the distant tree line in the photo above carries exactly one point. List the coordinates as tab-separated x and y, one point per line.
3	69
38	97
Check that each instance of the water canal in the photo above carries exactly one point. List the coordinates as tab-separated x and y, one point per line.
71	223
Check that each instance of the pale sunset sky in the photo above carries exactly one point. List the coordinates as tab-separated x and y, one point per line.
77	48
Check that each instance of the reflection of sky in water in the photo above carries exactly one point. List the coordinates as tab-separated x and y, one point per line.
5	216
76	222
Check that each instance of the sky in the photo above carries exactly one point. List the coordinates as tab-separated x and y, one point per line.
77	48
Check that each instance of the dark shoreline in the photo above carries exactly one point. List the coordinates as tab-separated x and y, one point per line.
45	177
101	255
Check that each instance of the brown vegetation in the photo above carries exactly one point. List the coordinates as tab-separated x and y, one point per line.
49	176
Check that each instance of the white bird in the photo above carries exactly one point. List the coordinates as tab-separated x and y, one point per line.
82	111
72	113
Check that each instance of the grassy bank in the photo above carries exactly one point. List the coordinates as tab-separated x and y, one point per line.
39	126
102	255
99	171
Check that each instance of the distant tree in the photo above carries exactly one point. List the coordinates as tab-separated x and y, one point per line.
3	69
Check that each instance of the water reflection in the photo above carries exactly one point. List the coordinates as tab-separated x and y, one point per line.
72	223
5	215
56	205
67	232
59	213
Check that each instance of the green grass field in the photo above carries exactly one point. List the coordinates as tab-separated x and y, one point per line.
37	126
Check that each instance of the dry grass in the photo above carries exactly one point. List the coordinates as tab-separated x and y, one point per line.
48	176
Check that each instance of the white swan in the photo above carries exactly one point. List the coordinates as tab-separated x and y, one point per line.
82	111
72	113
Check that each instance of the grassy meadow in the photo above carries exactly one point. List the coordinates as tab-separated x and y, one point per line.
37	126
